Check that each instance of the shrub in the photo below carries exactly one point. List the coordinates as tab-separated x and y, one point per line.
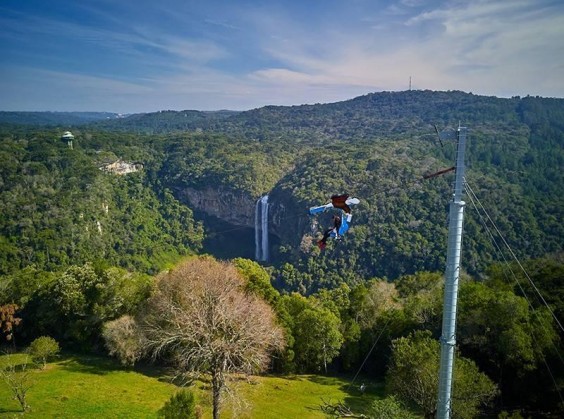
181	405
43	348
389	408
123	340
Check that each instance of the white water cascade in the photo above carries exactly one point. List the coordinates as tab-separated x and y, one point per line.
261	229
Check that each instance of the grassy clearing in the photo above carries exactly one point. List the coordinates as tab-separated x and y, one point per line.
89	387
298	396
96	387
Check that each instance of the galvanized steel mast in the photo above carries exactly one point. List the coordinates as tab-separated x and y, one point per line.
452	275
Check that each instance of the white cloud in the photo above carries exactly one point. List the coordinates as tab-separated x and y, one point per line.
270	56
484	47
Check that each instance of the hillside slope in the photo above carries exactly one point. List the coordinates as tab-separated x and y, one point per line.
376	147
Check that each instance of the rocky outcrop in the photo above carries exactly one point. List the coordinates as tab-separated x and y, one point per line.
234	207
121	167
288	220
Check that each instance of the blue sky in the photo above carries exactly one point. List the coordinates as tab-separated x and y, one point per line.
143	56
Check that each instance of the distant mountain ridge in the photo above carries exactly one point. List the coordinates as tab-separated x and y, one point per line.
55	118
371	114
362	116
368	116
166	121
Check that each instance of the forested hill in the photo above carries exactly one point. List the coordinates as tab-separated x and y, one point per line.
362	117
377	147
371	114
377	114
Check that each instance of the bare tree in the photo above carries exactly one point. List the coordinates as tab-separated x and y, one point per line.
18	379
201	317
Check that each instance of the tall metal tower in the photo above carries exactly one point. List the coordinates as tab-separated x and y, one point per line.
452	275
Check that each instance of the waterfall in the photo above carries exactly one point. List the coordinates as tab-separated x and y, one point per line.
257	230
261	229
264	225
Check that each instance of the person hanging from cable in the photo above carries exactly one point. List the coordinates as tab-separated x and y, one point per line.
337	222
340	222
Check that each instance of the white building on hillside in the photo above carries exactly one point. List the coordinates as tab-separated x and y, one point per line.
68	137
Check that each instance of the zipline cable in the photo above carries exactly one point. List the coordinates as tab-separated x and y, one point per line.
369	352
474	198
517	260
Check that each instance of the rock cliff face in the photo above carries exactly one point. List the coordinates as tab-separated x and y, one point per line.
234	207
287	220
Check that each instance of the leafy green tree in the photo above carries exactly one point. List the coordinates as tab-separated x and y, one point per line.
315	331
292	279
546	273
285	361
258	280
317	338
408	285
413	373
43	348
338	301
120	292
73	307
423	304
413	376
22	284
380	297
499	326
515	343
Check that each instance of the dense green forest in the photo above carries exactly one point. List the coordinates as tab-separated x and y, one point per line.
90	239
59	208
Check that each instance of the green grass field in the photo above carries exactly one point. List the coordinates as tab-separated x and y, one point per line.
96	387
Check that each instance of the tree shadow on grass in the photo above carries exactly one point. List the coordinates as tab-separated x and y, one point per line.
19	367
160	372
89	364
8	410
361	400
356	398
290	377
100	365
